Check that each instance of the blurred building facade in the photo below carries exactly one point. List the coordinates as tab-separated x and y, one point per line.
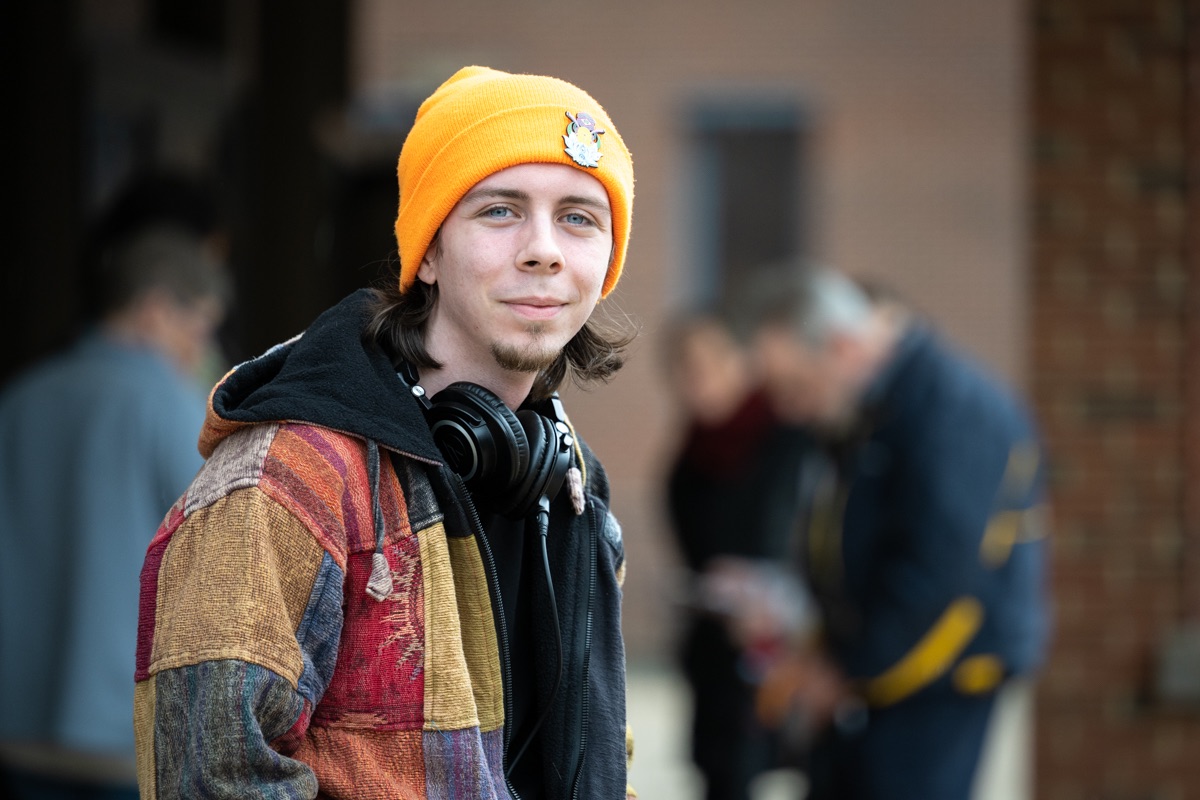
1115	372
1018	170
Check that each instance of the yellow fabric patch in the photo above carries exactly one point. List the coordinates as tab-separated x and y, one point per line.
932	656
449	700
234	584
144	702
479	644
978	674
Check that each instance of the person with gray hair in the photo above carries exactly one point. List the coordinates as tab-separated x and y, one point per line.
96	443
921	541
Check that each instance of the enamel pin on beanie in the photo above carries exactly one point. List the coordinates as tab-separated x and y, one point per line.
583	140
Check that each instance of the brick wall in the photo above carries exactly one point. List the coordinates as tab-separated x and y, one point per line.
1114	374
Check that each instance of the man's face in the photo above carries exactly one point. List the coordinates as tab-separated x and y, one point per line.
183	331
519	264
808	385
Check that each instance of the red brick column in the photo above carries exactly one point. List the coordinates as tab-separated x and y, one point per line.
1116	380
1191	442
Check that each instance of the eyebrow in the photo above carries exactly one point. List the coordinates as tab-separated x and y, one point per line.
517	194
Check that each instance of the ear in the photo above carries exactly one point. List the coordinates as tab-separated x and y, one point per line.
427	272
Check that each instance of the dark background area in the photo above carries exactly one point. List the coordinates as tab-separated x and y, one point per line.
306	223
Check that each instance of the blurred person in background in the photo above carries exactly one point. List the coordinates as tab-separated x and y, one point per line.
95	444
397	574
922	542
732	494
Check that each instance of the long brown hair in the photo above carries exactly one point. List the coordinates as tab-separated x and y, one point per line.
398	323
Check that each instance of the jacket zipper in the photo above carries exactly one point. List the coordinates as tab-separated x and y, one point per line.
489	563
587	653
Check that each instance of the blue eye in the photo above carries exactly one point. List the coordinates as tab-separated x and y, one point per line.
577	219
498	212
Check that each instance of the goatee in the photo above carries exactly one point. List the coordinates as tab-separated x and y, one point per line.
530	359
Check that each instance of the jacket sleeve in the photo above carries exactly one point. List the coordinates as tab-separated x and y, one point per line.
945	591
240	618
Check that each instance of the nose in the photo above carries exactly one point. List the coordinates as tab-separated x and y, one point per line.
539	246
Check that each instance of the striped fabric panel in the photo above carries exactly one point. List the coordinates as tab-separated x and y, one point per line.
478	631
449	699
493	751
461	764
321	476
215	719
311	483
371	765
241	572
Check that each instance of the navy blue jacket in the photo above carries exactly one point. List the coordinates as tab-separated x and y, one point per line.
933	579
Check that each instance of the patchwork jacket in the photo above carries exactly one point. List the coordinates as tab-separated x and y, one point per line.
320	613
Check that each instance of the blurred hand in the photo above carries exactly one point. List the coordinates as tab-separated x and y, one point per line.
760	601
802	688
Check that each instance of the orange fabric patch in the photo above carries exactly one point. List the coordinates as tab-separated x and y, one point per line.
363	763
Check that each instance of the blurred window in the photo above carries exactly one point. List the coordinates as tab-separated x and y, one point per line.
746	203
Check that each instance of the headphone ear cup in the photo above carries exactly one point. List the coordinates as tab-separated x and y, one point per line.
549	461
480	436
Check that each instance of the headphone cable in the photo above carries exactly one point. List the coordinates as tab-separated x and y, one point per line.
543	522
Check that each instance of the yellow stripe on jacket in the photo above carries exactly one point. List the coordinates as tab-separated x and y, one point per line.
932	656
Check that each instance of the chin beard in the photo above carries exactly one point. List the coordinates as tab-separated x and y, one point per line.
533	358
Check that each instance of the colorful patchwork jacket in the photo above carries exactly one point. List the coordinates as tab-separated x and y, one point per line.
266	668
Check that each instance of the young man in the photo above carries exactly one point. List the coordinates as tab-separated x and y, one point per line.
353	598
96	443
923	545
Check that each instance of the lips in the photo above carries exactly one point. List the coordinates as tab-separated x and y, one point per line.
535	307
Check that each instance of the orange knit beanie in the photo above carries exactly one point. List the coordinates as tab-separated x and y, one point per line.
481	121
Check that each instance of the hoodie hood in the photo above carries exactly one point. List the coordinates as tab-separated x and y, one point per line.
327	376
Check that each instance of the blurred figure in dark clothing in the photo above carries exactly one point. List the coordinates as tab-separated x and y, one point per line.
922	541
96	443
731	495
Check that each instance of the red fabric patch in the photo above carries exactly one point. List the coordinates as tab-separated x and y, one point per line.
148	594
379	681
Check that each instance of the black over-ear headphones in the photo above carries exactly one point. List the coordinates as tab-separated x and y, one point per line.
511	461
